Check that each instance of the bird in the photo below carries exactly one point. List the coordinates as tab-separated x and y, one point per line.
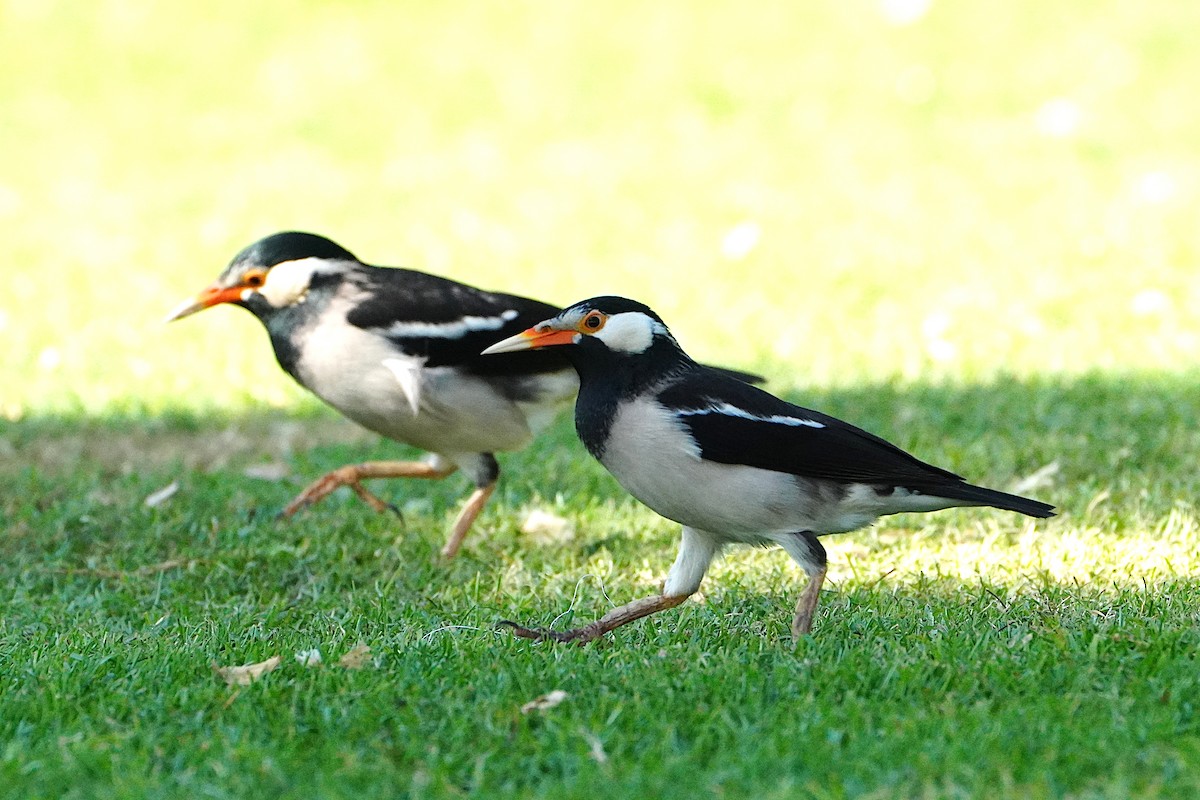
398	352
728	461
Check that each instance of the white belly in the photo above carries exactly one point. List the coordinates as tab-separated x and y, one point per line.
455	413
655	459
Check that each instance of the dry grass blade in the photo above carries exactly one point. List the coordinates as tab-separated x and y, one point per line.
546	702
156	499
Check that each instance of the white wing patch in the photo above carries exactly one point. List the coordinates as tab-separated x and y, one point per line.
408	375
733	411
448	330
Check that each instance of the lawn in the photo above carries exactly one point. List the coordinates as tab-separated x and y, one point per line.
970	231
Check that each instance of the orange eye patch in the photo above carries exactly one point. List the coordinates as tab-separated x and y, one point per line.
592	322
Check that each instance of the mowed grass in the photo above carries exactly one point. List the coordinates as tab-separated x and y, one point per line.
972	232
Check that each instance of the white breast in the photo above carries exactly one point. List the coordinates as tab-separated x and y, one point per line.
454	413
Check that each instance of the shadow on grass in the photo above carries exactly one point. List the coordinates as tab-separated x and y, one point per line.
1132	435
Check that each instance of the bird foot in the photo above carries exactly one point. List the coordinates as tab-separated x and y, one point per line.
324	486
578	635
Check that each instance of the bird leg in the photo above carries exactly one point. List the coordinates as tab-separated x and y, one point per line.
351	475
466	518
696	551
807	605
809	553
594	630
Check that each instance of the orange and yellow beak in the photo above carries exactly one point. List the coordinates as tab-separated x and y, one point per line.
534	338
212	296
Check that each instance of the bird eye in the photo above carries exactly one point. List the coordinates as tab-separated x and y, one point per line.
593	322
254	279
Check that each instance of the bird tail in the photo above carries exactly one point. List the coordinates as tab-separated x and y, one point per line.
978	495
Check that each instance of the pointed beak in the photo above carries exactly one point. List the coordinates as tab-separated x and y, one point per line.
213	295
532	339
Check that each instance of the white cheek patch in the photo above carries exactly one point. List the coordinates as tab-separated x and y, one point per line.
630	332
287	283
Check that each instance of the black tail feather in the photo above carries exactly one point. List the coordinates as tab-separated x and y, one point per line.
995	499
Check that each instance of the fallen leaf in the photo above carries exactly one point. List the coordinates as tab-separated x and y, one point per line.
356	658
247	673
309	658
545	702
156	499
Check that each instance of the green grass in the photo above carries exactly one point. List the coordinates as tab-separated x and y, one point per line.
934	262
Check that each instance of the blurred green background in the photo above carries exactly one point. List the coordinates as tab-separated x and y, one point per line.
832	191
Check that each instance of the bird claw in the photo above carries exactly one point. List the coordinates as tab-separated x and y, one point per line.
578	635
290	509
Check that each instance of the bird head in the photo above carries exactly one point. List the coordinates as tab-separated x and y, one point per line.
271	274
613	325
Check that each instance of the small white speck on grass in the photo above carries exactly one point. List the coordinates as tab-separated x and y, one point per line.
356	657
740	240
1059	118
545	702
156	499
1149	303
246	674
904	12
270	471
309	658
544	527
1155	187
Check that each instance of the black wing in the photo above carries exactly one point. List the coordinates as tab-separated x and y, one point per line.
450	323
735	423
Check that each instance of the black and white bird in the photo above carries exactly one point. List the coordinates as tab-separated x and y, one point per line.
728	461
398	352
